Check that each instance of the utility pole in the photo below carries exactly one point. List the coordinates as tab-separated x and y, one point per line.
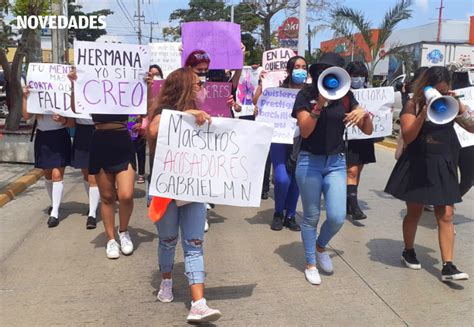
139	16
309	40
232	13
301	29
57	35
151	29
440	18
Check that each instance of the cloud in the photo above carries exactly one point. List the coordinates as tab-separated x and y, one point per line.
112	39
423	4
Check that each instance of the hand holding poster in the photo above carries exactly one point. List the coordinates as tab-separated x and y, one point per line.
275	106
110	77
166	55
213	163
221	40
378	101
50	90
465	138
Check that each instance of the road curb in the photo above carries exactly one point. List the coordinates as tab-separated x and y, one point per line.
388	144
19	185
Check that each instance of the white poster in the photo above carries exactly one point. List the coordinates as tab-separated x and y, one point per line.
248	83
275	106
221	163
273	79
379	102
166	55
110	77
50	90
276	59
465	138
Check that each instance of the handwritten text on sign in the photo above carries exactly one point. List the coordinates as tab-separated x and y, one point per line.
465	138
221	40
378	101
50	90
110	77
275	106
166	55
210	163
276	59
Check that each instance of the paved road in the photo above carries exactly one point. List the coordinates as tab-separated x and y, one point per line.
61	277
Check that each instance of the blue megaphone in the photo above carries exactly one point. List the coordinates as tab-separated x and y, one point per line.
439	105
442	109
330	82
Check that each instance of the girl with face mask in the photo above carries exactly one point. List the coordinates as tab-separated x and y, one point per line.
359	152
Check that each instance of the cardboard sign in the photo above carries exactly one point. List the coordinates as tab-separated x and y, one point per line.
166	55
465	138
248	83
110	77
221	40
275	106
221	163
50	90
276	59
378	101
273	79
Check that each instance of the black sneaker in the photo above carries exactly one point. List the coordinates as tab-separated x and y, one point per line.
410	260
264	195
357	214
53	222
451	272
91	223
277	223
50	209
291	224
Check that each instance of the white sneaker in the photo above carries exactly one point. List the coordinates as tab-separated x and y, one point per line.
312	276
165	294
324	261
206	226
112	249
126	244
200	312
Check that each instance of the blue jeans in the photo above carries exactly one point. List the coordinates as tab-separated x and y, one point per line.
190	219
317	174
286	188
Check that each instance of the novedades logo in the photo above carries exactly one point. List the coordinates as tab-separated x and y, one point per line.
61	22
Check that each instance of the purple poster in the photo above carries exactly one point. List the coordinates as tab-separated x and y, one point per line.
155	89
221	40
216	100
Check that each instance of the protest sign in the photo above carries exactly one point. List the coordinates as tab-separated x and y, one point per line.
248	83
465	138
216	99
221	163
221	40
50	90
276	59
273	79
110	77
156	87
166	55
275	106
379	102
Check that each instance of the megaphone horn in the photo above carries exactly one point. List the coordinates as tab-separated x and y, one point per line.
442	109
334	83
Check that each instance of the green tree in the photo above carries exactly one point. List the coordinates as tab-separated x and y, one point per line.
346	21
85	34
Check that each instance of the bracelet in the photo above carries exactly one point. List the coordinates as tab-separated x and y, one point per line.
314	115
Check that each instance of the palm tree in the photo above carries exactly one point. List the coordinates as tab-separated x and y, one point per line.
346	21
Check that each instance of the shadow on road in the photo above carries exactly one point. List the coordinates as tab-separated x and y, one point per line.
215	218
138	236
263	217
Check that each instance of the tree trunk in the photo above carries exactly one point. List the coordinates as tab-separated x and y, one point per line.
267	34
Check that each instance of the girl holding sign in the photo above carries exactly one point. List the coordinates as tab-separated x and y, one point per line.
52	154
426	172
111	160
359	152
180	92
321	165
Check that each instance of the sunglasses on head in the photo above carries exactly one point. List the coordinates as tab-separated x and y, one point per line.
201	56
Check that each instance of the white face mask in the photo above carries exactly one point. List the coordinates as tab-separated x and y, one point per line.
357	82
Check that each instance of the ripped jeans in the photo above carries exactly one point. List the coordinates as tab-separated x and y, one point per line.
190	218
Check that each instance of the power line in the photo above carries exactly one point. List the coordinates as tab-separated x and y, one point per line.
125	12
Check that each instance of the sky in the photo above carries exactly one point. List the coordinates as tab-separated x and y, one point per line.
120	29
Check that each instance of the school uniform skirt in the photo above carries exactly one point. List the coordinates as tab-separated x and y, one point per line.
52	149
360	152
111	150
81	146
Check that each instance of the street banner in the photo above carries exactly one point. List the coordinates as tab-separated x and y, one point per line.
379	102
276	59
248	83
273	79
221	40
50	90
166	55
221	163
110	77
465	138
275	106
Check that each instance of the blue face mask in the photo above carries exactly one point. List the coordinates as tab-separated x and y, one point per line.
357	82
299	76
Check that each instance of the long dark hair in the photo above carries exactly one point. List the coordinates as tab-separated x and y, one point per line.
431	76
290	66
